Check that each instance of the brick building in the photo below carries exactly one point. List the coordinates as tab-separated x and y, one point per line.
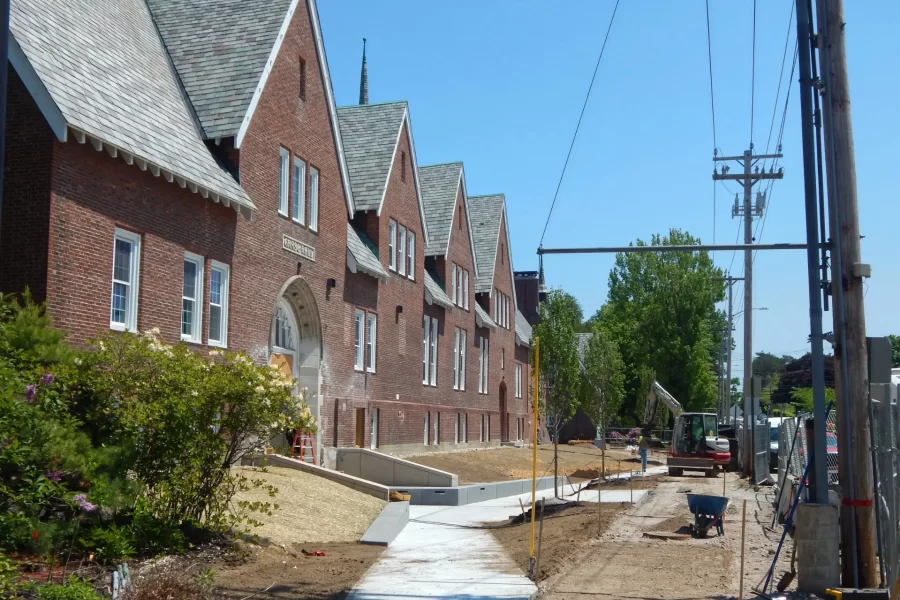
182	165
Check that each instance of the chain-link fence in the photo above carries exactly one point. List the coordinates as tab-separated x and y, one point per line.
794	463
885	425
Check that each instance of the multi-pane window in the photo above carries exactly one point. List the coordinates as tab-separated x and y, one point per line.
501	308
459	359
459	279
313	199
284	168
425	438
218	303
411	255
371	341
358	338
518	387
483	354
401	250
429	350
466	290
299	208
126	259
453	282
191	297
392	245
465	427
436	422
459	285
284	330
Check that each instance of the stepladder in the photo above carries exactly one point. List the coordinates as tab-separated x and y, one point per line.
302	446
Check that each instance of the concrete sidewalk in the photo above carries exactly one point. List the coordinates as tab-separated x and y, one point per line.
444	553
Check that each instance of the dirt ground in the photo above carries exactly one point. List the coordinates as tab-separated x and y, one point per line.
310	508
565	533
275	573
504	464
623	563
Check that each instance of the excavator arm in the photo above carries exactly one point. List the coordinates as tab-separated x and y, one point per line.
657	393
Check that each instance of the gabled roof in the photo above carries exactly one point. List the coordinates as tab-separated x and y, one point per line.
440	188
434	294
220	48
523	330
370	133
486	215
361	258
103	68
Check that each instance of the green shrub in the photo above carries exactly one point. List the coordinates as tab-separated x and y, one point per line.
109	543
153	536
73	589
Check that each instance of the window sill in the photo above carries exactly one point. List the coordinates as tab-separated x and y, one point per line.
188	340
119	327
212	344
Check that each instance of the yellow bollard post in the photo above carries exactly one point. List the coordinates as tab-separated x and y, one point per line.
534	436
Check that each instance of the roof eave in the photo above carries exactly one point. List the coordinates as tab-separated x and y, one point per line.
35	86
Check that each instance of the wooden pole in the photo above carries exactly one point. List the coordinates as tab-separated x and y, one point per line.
743	538
537	562
724	479
599	512
631	480
850	351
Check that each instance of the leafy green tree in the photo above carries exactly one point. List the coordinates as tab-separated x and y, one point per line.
766	365
604	378
661	312
803	398
559	369
895	350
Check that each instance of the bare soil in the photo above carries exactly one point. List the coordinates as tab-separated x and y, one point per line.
505	464
622	563
276	573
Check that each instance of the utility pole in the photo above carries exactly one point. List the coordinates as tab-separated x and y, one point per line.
850	351
729	281
749	210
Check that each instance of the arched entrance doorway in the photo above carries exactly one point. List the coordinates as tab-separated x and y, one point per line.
295	343
504	415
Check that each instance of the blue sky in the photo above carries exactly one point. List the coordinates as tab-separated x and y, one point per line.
499	85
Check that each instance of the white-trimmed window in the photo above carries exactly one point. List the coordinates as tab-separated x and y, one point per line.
284	170
462	359
358	339
284	328
453	282
401	250
313	199
373	443
518	387
483	365
425	438
371	341
411	255
502	358
426	349
126	266
219	274
299	207
429	350
192	298
459	286
455	358
465	427
392	245
436	422
466	290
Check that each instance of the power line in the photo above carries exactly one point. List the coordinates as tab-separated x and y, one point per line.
753	77
712	105
580	117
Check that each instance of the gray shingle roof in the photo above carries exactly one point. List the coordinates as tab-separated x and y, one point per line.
440	184
106	69
523	330
366	261
483	319
435	293
219	48
370	134
485	214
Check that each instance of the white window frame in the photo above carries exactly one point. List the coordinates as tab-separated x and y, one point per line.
462	360
427	427
459	286
466	290
313	199
299	181
453	280
456	357
401	250
133	286
392	245
225	270
483	356
465	427
434	351
373	417
196	334
518	388
426	348
411	255
359	339
371	341
436	423
284	174
502	358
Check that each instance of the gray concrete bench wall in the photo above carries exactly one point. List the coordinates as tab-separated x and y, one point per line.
387	525
469	494
390	470
377	490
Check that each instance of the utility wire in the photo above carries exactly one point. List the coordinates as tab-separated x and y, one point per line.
712	105
578	125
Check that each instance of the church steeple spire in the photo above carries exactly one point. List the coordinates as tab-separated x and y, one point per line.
364	79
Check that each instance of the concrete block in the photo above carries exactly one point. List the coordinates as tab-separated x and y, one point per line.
480	493
818	557
387	525
507	488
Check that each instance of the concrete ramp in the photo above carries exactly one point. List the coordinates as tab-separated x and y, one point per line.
390	470
388	525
